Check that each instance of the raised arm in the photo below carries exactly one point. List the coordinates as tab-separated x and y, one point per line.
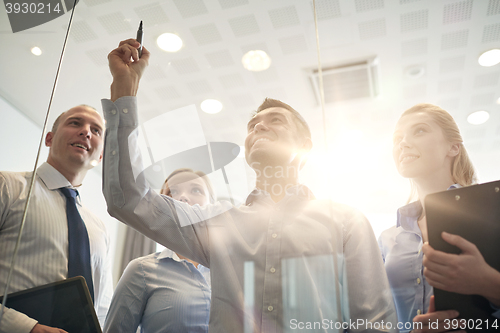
176	225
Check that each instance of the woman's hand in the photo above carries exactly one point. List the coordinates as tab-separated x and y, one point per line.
464	273
435	321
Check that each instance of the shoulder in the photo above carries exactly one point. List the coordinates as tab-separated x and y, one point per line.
141	263
388	234
15	179
13	184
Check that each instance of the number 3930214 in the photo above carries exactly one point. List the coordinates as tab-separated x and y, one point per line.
32	8
464	324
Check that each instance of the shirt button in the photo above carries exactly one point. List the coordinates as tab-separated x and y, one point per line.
418	280
274	235
273	270
113	152
113	111
419	312
270	308
125	110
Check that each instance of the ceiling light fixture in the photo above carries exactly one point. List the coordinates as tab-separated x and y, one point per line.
489	58
478	117
414	72
211	106
169	42
36	50
256	61
498	100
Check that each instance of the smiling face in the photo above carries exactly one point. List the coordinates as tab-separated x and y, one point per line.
188	187
273	138
77	142
420	148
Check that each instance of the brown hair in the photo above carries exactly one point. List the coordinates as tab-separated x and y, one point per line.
462	170
274	103
166	190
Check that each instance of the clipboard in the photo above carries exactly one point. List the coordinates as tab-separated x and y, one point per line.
64	304
473	213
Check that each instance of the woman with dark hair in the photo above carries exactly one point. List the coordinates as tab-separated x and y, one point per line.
428	149
166	292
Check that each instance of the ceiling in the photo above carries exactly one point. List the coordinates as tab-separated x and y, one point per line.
352	163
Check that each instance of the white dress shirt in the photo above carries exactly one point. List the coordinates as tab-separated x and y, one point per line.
299	264
43	252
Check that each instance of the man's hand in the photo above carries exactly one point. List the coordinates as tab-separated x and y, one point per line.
127	68
46	329
464	273
432	317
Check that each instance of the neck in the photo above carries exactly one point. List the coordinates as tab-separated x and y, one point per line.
275	180
432	184
191	261
74	175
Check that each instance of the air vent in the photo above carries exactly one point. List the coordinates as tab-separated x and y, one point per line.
348	81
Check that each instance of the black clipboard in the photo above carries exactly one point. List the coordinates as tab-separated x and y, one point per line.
473	213
64	304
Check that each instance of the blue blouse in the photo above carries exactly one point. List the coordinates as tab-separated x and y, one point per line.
401	248
163	294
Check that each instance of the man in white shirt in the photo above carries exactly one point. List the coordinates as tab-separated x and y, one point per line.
76	144
284	261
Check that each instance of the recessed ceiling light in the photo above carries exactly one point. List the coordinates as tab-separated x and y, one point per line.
489	58
169	42
211	106
414	72
498	100
256	61
478	117
36	51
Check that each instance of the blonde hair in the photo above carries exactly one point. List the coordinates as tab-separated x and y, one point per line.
211	193
462	170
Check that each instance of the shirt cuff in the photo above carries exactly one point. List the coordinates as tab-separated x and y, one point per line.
121	113
16	322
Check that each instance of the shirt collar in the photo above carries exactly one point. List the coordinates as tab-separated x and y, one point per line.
52	178
167	253
299	190
408	215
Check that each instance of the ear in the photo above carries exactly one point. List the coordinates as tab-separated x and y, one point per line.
48	139
304	150
306	146
454	150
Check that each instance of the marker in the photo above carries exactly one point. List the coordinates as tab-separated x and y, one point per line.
140	34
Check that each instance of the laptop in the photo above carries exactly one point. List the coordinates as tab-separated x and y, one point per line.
472	212
64	304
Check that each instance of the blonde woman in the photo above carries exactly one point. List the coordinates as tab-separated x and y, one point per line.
428	150
166	292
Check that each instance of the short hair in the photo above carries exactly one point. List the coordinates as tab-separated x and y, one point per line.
274	103
58	119
211	193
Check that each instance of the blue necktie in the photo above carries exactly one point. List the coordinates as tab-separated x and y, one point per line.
78	241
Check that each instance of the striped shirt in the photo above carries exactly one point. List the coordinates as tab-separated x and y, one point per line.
43	252
163	294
